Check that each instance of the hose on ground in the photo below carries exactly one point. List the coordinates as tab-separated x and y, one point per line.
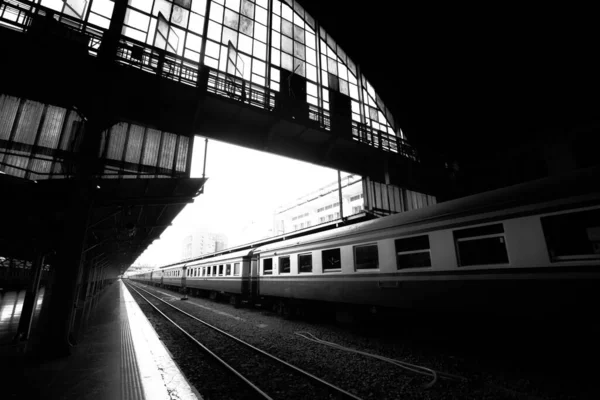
402	364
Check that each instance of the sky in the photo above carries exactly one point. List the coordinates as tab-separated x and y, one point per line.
243	190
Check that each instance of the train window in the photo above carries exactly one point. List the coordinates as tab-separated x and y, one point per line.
332	260
236	269
366	257
221	270
481	245
284	265
228	270
268	266
573	236
305	263
413	252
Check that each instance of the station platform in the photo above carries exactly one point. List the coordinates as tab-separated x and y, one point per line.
120	357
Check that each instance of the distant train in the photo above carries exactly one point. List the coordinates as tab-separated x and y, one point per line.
532	246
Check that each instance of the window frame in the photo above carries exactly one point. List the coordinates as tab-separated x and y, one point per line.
300	264
550	237
407	252
356	247
327	270
481	236
271	272
289	259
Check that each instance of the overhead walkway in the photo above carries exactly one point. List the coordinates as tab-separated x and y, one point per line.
323	111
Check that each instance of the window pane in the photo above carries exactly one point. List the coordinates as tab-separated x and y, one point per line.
228	270
479	231
284	265
331	259
490	250
246	25
366	257
268	266
412	243
248	8
305	263
414	260
232	19
573	236
236	269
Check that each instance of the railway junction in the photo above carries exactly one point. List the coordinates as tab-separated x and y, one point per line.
100	102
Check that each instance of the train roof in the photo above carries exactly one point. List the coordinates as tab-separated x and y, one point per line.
578	183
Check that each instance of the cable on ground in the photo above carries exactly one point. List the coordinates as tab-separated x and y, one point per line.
402	364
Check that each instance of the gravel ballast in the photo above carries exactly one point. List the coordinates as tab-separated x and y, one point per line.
490	376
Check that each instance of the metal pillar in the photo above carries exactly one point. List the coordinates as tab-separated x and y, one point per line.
64	292
340	194
29	303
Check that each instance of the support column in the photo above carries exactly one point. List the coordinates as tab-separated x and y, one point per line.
81	301
29	303
57	341
340	195
110	41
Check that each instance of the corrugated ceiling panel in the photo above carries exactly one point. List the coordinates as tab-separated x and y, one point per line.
8	110
150	156
52	127
116	141
41	168
182	153
29	122
134	144
16	161
168	150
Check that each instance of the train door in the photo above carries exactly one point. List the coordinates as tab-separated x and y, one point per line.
254	281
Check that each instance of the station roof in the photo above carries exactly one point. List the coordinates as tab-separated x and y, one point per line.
126	216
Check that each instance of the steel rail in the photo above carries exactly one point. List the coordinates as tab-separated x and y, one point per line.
291	366
219	359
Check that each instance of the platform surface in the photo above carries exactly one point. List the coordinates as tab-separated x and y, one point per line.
120	357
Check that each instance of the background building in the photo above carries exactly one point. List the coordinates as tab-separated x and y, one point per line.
200	242
358	195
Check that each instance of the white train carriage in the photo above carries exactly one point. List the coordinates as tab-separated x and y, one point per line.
227	274
531	246
518	248
171	276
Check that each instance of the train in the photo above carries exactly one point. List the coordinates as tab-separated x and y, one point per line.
529	247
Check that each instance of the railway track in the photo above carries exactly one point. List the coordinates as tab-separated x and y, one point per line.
265	375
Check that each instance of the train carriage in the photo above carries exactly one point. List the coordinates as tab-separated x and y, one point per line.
227	274
531	246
